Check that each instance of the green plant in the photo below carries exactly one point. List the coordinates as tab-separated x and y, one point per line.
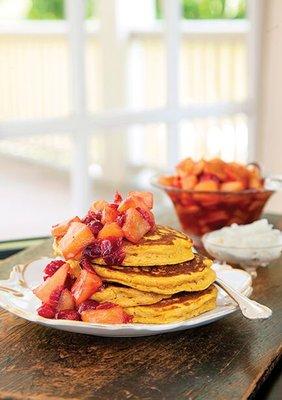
208	9
53	9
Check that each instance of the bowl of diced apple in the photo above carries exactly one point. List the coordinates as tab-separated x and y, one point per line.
208	195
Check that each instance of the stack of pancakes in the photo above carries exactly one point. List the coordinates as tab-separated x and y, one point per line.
161	279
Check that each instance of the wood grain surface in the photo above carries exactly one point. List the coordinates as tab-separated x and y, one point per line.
225	360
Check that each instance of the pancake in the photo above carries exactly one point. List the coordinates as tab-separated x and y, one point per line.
179	307
125	296
165	246
162	247
190	276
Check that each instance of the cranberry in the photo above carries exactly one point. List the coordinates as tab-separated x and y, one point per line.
117	198
127	319
121	220
52	267
105	306
95	226
46	311
99	215
110	245
116	258
54	297
88	305
106	247
209	177
114	206
86	264
93	250
68	314
92	216
102	287
69	281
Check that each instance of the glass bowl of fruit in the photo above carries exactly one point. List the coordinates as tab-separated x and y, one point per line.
208	195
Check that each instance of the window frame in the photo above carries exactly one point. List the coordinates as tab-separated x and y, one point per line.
81	124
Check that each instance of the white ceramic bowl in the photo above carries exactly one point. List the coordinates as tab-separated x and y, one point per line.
245	256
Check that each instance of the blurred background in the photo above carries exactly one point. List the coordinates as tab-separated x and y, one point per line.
101	94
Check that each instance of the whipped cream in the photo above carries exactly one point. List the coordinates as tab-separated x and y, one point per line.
256	241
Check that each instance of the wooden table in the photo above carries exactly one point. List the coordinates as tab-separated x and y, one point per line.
228	359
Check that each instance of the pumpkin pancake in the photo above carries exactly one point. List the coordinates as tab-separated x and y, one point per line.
162	247
190	276
179	307
126	296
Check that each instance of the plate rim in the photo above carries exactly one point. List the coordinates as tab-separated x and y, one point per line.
18	271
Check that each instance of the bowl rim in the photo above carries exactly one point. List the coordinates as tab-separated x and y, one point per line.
155	183
228	247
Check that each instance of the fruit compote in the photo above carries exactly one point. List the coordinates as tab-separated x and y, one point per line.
100	234
208	195
62	301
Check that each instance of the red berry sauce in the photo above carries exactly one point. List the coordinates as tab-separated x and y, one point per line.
93	250
117	198
209	177
85	263
95	226
52	267
105	306
121	220
88	305
46	311
92	216
127	319
54	297
68	314
69	281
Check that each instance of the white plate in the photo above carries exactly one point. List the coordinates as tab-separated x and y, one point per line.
16	296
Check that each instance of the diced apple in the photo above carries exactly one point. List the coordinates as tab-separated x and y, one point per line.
198	167
189	167
176	182
216	216
255	178
207	186
189	182
55	282
148	216
131	202
235	186
110	230
166	180
135	226
66	301
193	209
236	172
85	286
215	167
109	214
98	205
78	236
60	230
255	183
113	315
147	197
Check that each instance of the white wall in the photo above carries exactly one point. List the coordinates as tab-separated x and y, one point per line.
270	142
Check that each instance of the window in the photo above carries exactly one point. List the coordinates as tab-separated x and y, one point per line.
154	89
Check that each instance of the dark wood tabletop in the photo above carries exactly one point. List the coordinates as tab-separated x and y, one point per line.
228	359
